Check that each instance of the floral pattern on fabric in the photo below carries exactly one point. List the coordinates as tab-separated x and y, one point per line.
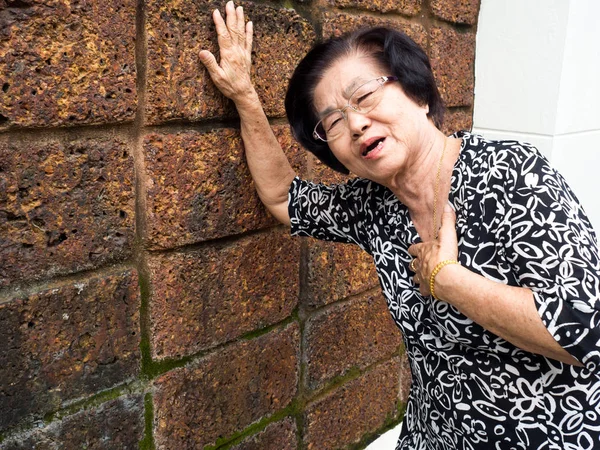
518	223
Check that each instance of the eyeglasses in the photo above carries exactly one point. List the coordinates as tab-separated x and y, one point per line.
363	100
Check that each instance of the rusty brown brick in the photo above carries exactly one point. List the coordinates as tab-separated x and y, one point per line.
65	343
320	173
354	334
336	271
355	409
216	294
457	11
453	60
335	24
200	187
65	205
277	436
407	7
225	392
114	425
456	120
178	85
67	62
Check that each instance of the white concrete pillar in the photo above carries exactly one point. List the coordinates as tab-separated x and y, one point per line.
537	79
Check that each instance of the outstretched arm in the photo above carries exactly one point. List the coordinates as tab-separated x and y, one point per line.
270	168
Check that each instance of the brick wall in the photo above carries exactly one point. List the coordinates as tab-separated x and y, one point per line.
147	299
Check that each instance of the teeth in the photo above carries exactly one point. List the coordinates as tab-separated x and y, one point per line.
372	147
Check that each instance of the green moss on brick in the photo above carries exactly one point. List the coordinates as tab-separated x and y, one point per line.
148	442
144	283
227	442
93	401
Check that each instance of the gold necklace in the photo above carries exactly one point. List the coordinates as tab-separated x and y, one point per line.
436	191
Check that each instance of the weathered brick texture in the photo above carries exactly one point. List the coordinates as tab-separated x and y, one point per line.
280	435
408	7
336	271
200	188
115	425
356	408
65	343
213	295
250	339
335	24
452	60
227	391
65	205
457	11
66	63
456	121
178	84
348	335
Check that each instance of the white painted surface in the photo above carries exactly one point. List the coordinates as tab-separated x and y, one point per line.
519	47
579	96
537	79
577	158
387	441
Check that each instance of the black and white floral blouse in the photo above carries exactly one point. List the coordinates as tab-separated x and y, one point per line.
517	223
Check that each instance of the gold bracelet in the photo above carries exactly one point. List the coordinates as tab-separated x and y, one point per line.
436	270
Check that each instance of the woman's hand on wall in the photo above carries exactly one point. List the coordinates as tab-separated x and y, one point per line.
268	164
232	73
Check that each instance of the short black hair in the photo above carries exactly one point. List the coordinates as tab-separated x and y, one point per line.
391	48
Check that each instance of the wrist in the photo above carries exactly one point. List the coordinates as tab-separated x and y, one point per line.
437	280
247	100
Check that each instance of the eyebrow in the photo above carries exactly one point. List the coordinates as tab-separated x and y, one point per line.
357	82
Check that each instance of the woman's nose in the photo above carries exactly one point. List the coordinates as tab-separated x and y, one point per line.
357	123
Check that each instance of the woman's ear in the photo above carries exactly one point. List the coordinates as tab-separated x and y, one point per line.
427	108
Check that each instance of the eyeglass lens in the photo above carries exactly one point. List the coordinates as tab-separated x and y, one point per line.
362	101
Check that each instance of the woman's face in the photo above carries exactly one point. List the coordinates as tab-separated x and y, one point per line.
383	143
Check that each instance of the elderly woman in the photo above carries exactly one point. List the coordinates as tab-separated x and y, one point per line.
488	263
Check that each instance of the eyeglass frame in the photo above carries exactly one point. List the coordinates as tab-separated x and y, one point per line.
384	79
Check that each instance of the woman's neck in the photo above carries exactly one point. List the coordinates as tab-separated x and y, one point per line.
427	179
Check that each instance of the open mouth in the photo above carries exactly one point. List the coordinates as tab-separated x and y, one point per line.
372	146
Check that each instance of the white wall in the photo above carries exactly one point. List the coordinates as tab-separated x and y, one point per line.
537	79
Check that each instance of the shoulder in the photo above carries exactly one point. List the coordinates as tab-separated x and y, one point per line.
352	188
477	147
506	160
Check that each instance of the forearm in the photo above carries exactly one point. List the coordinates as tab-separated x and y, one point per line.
507	311
270	169
268	164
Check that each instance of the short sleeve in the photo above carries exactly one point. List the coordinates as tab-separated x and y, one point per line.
554	252
331	213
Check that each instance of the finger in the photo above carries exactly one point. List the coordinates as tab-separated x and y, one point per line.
241	23
413	250
448	225
222	33
249	32
209	61
231	17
